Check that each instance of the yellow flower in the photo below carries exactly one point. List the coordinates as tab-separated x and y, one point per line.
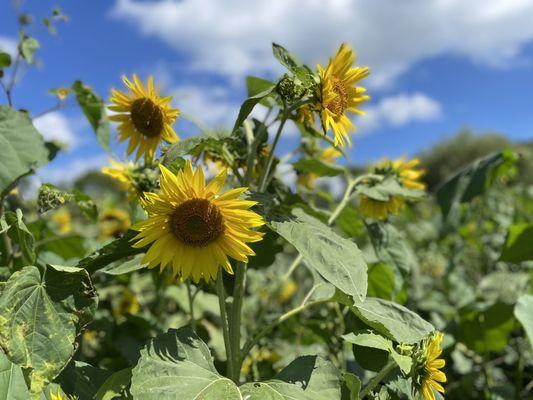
327	155
432	365
122	173
63	220
145	118
114	223
339	93
193	229
62	93
380	209
128	304
288	289
408	174
57	395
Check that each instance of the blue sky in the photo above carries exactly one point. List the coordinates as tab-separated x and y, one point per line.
437	66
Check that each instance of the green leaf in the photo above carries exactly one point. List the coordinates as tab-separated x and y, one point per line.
192	145
177	364
66	247
391	246
337	259
486	329
318	167
51	198
390	319
523	313
28	47
12	384
380	281
255	85
473	180
386	189
516	283
265	250
114	251
114	385
249	104
5	60
289	61
94	109
372	340
20	235
352	386
41	312
306	378
518	246
22	147
82	380
120	268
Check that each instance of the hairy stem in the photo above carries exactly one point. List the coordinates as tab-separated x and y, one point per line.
377	379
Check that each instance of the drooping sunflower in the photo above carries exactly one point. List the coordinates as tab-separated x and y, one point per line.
409	174
379	209
145	117
431	374
340	95
193	229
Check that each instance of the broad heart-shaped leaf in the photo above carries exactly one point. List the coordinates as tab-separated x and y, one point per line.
249	104
337	259
12	384
318	167
114	251
23	148
375	341
388	318
306	378
523	311
178	364
473	180
94	109
518	245
41	312
114	385
255	85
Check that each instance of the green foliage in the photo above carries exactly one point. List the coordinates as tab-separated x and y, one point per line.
94	109
336	259
318	167
518	246
28	47
41	312
249	104
522	312
22	146
12	384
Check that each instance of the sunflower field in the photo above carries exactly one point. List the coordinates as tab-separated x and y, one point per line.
188	269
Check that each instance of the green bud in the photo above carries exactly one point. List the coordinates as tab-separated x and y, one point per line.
290	88
50	198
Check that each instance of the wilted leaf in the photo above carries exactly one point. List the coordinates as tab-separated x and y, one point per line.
337	259
22	147
41	313
20	236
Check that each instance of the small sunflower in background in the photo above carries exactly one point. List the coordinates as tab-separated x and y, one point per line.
340	95
379	209
114	223
128	304
428	367
193	229
328	155
409	174
145	117
63	220
133	178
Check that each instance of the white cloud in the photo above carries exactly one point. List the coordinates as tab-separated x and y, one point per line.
399	110
68	172
55	126
8	45
233	37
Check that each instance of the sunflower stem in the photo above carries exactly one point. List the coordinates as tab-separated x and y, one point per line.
221	292
377	379
235	321
191	305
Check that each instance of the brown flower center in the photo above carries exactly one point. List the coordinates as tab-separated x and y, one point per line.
340	102
147	117
197	222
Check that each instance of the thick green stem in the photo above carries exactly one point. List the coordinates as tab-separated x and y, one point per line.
235	320
191	306
221	292
377	379
266	173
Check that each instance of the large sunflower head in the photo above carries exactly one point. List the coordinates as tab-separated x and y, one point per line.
428	365
192	229
339	93
145	117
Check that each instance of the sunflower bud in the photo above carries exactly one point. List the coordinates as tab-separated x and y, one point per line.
290	88
145	179
50	198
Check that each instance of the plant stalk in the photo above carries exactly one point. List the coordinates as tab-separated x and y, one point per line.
221	292
377	379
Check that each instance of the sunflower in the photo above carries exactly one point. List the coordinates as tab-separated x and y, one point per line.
432	375
57	395
379	209
128	304
145	118
339	93
305	115
133	178
193	229
408	174
114	222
